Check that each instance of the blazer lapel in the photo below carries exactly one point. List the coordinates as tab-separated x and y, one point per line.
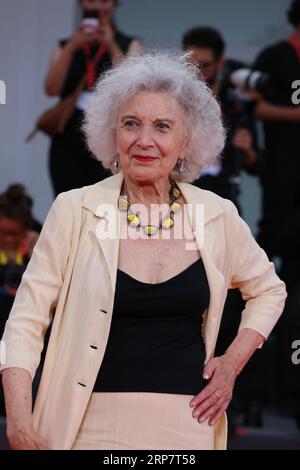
216	284
102	201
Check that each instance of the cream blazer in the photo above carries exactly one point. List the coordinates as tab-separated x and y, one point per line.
71	279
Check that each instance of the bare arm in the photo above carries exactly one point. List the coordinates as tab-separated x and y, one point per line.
61	60
18	401
269	112
242	348
58	68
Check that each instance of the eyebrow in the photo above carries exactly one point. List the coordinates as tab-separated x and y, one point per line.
156	120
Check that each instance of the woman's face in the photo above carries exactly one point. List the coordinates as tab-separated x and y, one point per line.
12	233
150	136
105	7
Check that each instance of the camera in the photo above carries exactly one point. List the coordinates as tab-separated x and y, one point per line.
237	75
90	20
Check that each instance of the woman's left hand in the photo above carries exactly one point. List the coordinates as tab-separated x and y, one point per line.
243	140
105	34
213	400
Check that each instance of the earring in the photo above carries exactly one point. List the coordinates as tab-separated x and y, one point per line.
116	163
181	166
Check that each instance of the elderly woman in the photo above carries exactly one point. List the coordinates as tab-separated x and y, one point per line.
135	274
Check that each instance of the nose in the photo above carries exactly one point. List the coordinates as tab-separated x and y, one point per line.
145	138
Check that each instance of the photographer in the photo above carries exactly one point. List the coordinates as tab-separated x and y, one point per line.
280	225
281	169
207	48
18	236
17	240
94	48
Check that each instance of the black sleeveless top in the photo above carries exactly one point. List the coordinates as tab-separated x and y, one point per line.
155	342
78	66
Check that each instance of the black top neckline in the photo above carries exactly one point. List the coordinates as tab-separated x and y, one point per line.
123	273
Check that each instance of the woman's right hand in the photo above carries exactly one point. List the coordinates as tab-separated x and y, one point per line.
24	437
17	385
82	38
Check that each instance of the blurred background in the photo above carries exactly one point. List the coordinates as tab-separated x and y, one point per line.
29	30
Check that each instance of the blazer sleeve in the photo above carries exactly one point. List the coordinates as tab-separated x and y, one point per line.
254	275
37	296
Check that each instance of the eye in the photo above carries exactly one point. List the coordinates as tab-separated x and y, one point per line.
162	126
130	124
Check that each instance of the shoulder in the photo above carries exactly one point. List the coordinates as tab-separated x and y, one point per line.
68	205
124	40
272	53
221	217
275	48
72	197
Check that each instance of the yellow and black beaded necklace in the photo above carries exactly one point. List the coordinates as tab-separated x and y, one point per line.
167	223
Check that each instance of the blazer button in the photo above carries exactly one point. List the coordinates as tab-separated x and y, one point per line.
81	384
102	314
101	310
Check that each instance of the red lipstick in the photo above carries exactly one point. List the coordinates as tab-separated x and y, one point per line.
144	159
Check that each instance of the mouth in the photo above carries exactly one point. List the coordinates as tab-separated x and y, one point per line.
144	159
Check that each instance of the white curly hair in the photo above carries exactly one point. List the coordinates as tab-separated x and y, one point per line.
157	72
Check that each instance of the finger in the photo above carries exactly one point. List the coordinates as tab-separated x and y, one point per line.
205	405
35	444
214	419
203	395
209	368
88	36
43	446
209	412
